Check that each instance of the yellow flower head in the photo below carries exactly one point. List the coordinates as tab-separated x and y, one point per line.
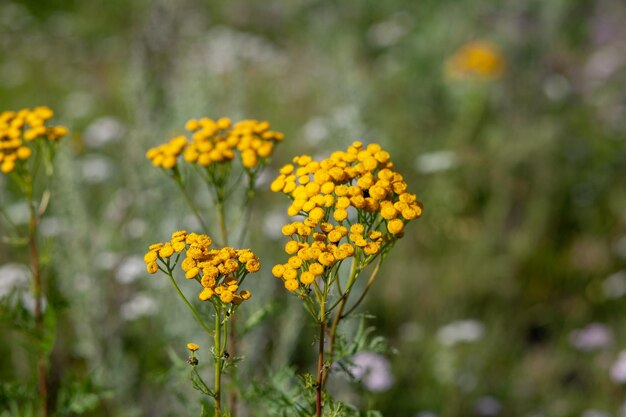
165	155
218	271
20	130
478	59
193	347
218	142
353	203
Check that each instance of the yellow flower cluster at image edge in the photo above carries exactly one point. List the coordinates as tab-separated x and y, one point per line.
219	271
353	203
19	128
218	141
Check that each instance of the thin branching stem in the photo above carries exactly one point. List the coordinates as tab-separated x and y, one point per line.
354	272
370	281
192	204
189	305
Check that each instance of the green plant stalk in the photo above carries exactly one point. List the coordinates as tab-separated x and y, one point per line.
319	388
37	293
191	308
370	281
218	353
222	218
354	272
231	325
191	203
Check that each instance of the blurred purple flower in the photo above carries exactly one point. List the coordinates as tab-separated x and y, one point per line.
618	369
593	336
373	370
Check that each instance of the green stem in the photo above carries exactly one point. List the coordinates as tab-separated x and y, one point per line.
247	207
37	293
193	310
218	353
192	204
354	272
370	281
222	220
204	385
320	361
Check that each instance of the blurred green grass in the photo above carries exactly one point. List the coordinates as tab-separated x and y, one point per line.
522	179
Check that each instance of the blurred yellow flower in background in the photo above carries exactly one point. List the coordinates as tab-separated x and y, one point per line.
478	59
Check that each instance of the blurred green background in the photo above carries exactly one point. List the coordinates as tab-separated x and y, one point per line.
506	298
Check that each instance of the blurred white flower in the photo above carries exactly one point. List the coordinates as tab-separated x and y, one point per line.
78	104
264	179
604	63
460	331
18	212
130	269
107	261
592	337
347	116
388	32
83	282
96	169
135	228
619	247
372	370
556	87
315	130
487	406
104	130
432	162
28	302
226	50
50	226
13	277
618	369
595	413
426	414
14	16
466	381
615	285
139	306
273	223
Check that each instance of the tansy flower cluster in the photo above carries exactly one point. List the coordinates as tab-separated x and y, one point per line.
311	260
218	141
17	129
219	271
359	190
360	178
479	59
